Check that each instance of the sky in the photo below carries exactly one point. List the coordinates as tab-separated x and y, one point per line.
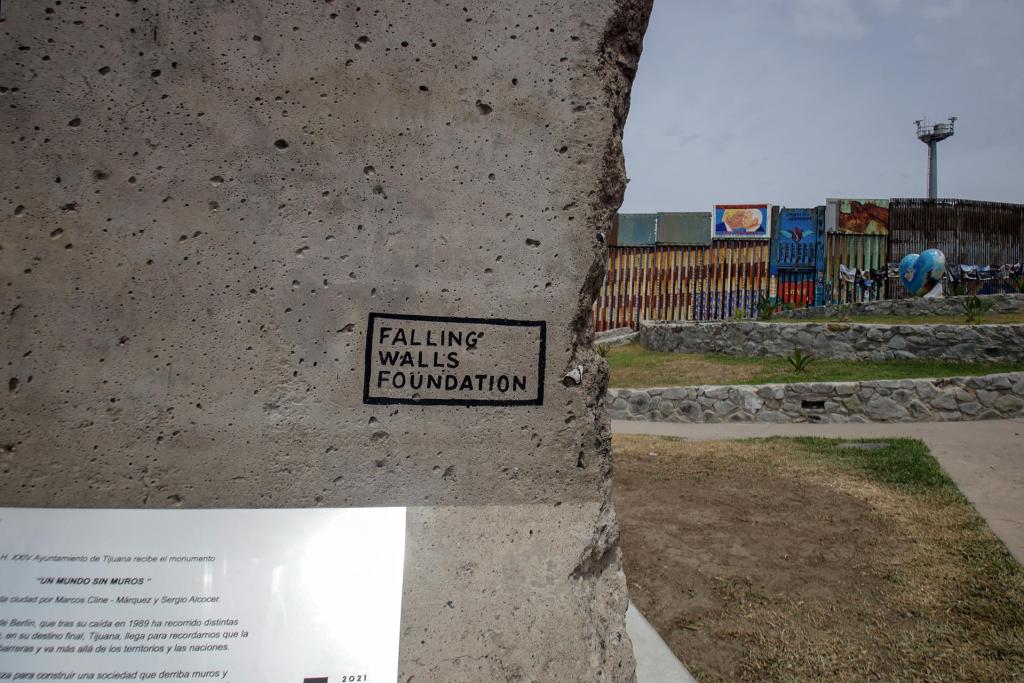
789	102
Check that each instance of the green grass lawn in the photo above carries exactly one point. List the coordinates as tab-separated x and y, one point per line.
987	319
633	366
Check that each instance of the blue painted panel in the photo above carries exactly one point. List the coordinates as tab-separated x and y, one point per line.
798	255
797	238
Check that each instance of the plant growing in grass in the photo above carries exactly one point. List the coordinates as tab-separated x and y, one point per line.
976	308
739	314
800	360
602	350
765	307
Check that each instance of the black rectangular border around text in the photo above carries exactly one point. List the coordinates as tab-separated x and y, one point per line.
383	400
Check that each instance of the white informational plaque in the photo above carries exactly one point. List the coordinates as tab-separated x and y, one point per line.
248	596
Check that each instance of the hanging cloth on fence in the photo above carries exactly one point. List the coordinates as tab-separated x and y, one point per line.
969	272
847	274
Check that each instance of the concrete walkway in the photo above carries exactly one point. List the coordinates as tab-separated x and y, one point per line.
985	458
655	662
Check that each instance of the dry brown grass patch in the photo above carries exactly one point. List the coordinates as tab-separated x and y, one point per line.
778	560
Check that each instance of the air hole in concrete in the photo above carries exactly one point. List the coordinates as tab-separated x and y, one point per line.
216	180
281	144
75	122
484	108
369	171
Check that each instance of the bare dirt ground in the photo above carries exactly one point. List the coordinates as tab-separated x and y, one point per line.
786	560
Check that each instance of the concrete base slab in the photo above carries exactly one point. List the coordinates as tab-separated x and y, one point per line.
655	662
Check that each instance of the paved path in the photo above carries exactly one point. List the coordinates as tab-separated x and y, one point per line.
985	458
655	662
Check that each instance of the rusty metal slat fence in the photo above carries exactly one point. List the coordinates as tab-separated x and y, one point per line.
968	232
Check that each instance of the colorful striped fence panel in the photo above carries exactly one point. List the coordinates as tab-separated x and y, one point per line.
669	282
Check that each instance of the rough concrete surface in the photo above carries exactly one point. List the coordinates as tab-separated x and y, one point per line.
200	205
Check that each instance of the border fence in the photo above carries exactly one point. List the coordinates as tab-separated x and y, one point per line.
679	282
813	256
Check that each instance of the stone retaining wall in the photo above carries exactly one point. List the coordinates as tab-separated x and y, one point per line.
616	337
844	341
950	305
987	397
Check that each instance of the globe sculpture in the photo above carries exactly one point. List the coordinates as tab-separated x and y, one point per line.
920	273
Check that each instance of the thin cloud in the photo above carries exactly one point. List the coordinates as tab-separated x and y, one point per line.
946	9
827	19
888	6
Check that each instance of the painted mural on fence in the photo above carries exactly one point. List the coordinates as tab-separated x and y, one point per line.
863	216
742	221
796	226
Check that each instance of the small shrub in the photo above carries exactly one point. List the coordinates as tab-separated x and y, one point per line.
958	289
602	350
800	360
976	308
739	314
765	307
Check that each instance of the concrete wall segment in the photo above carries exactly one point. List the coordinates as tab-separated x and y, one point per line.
201	204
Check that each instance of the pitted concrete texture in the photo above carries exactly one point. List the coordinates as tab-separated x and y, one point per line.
502	593
201	204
